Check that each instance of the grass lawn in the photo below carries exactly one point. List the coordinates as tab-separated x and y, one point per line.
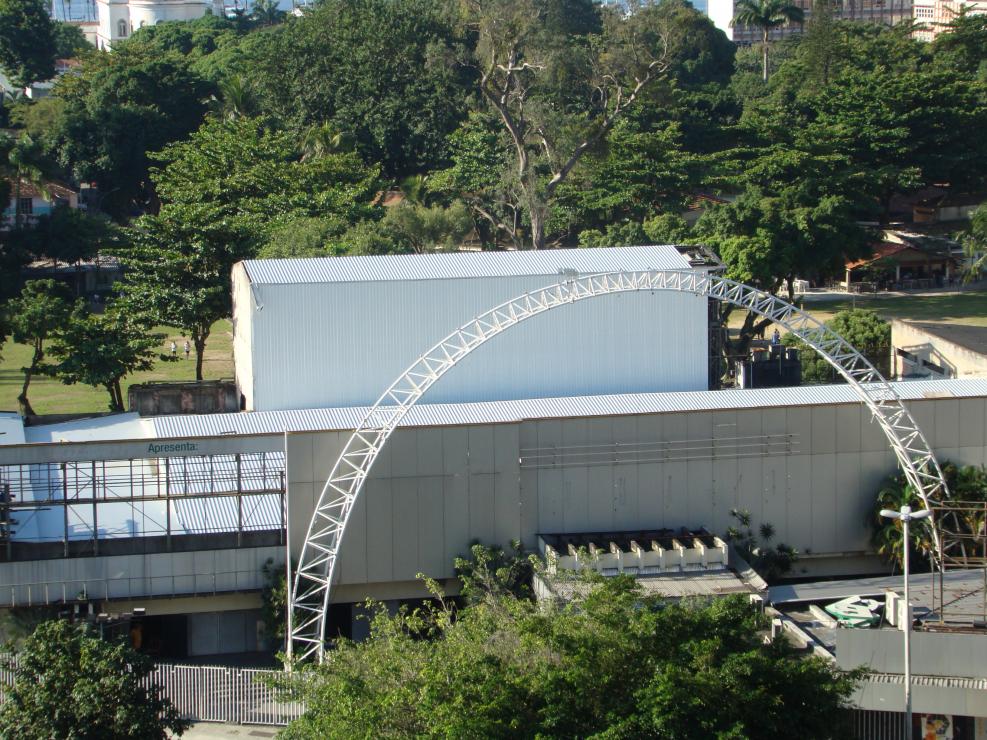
958	308
49	396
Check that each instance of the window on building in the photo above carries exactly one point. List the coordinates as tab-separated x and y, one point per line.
122	28
25	206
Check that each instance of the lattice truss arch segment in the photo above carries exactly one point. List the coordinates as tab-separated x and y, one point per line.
313	577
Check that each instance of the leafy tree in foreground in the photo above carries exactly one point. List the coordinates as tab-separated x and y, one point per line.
223	192
42	309
70	41
966	483
27	41
616	664
68	684
865	330
766	15
100	350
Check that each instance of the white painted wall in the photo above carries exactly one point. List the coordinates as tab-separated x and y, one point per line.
342	344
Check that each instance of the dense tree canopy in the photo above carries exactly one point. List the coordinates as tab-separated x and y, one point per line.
615	664
104	121
549	122
69	684
27	41
100	350
384	70
865	330
222	192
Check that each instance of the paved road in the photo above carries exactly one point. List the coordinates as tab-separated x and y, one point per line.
219	731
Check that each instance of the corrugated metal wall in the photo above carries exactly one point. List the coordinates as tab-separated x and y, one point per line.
342	344
811	471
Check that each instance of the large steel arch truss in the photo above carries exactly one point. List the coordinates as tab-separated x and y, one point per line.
313	577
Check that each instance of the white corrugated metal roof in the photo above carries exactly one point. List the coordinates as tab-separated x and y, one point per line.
455	265
11	429
95	429
494	412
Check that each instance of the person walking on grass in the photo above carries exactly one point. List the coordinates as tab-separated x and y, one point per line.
174	349
187	349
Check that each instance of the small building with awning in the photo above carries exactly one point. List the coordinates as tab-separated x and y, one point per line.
904	262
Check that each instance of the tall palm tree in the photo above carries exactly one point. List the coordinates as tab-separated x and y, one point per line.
236	98
26	165
323	139
267	13
766	15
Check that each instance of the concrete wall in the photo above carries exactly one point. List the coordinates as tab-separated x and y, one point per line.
134	576
811	471
933	653
958	361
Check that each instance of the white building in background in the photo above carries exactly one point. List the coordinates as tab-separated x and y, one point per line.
933	16
302	327
118	19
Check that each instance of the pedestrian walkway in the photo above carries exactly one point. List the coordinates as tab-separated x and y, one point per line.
837	294
223	731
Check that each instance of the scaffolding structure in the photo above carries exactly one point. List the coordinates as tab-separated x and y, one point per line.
959	593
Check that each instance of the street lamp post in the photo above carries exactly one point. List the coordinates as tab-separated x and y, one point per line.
905	516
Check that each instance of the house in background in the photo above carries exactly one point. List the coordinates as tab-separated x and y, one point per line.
30	202
119	19
905	261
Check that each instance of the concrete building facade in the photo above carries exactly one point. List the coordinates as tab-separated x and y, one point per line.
934	351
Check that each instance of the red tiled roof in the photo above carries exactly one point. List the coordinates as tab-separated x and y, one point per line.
55	189
882	250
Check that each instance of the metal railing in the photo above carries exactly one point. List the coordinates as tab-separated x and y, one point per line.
65	591
243	696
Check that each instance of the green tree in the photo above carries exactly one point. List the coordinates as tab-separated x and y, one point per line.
70	41
120	106
975	242
67	234
305	236
236	98
508	667
766	15
383	70
274	601
101	350
267	13
771	561
222	192
27	41
559	74
27	165
967	483
69	684
864	329
41	310
420	229
494	571
791	227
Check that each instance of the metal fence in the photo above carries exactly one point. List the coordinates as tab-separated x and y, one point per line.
871	725
244	696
